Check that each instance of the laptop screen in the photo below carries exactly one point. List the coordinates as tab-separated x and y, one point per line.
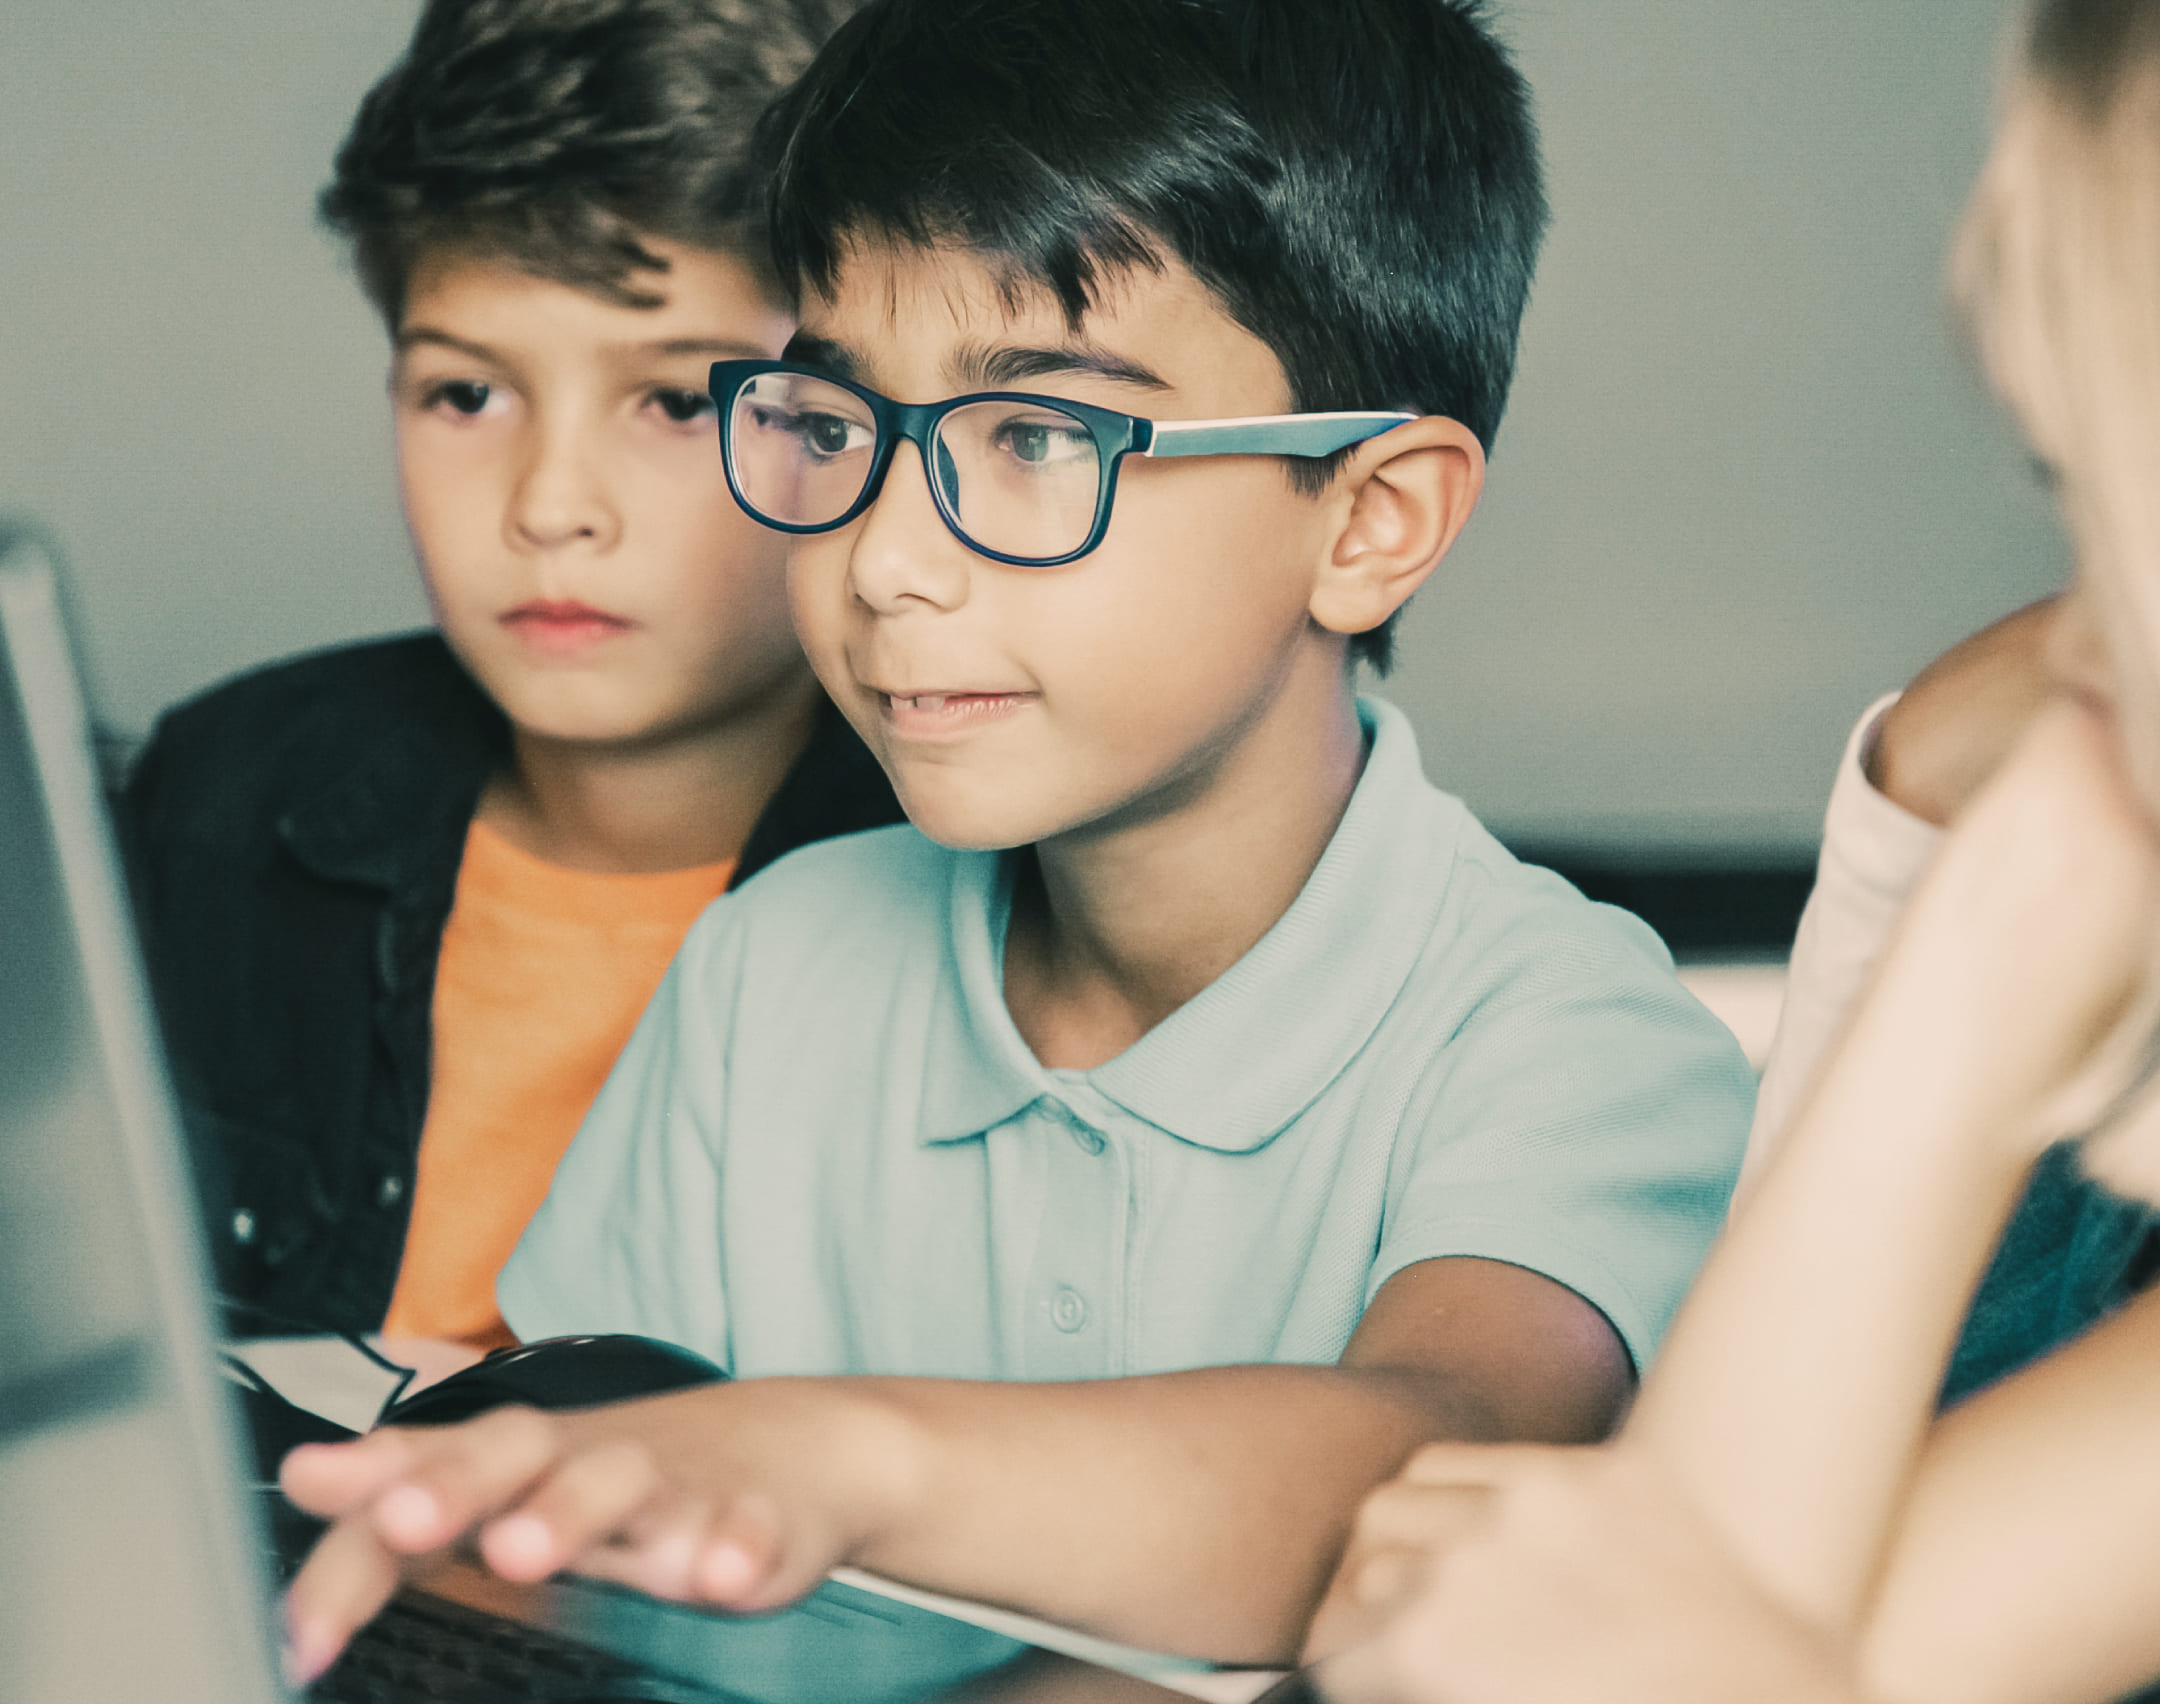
127	1568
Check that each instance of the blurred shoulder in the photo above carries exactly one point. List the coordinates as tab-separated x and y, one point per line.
346	692
290	729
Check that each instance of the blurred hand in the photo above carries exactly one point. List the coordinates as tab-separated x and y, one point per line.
741	1496
1954	725
2025	964
1526	1575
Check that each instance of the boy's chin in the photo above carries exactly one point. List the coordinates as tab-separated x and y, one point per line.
965	820
962	831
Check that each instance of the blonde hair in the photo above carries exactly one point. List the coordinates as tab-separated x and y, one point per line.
2057	273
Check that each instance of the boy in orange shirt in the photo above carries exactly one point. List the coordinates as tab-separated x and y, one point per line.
403	902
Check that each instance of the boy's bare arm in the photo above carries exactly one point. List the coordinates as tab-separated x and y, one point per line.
1958	720
1198	1511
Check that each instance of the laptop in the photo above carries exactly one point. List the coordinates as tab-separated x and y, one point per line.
133	1558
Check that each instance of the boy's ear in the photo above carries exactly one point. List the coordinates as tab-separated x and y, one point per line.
1403	497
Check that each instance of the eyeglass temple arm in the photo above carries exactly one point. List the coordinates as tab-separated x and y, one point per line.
1268	434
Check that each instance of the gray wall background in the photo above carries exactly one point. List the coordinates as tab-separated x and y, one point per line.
1746	483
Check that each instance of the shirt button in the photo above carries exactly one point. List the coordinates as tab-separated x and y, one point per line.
1068	1310
390	1191
243	1226
1089	1138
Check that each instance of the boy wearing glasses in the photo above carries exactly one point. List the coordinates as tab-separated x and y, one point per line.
1194	1111
404	901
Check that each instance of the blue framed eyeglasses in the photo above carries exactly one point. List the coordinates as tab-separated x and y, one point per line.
1020	478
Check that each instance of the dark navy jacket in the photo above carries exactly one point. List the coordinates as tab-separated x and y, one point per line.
293	840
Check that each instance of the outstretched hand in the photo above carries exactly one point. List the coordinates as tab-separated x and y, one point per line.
682	1496
1524	1575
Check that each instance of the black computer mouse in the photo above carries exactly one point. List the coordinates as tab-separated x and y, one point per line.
557	1372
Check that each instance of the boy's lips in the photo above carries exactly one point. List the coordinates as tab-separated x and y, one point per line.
558	627
935	715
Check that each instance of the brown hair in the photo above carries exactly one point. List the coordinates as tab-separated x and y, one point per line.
552	133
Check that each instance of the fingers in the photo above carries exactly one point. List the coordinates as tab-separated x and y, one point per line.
423	1486
588	1498
346	1579
333	1479
392	1496
620	1493
457	1476
743	1557
1402	1532
737	1557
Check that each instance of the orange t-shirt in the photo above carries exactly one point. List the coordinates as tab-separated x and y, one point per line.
543	974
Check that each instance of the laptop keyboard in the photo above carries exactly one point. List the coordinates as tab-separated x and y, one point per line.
421	1650
427	1650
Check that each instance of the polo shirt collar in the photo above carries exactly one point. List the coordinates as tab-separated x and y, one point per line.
1239	1062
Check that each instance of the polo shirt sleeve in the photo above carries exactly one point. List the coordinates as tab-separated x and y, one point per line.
1585	1118
628	1238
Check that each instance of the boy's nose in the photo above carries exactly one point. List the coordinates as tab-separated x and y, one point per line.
561	497
904	554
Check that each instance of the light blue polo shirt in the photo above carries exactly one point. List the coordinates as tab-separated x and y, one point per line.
828	1150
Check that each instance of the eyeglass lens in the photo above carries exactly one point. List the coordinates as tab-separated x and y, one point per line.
1018	478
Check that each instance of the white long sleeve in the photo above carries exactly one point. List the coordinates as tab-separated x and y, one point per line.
1873	851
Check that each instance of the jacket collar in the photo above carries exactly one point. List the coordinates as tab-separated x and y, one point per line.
401	781
394	801
1239	1062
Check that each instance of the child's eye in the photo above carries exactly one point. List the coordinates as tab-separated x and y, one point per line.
1039	442
829	435
816	436
460	396
683	406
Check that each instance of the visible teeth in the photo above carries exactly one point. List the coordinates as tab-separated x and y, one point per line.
931	701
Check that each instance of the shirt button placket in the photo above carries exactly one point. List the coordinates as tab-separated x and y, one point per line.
1070	1257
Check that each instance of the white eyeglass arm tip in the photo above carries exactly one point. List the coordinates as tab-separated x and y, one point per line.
1270	434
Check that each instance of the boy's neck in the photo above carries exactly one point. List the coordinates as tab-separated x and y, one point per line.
666	804
1114	928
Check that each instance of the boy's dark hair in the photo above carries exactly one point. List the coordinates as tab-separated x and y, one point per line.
554	133
2087	49
1356	180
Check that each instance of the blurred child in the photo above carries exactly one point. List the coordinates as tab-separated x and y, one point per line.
402	902
1784	1518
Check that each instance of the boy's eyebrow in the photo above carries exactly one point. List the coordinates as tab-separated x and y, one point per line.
985	368
806	349
710	347
412	336
713	346
978	366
